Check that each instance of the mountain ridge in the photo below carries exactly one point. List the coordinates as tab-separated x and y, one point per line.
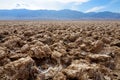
66	14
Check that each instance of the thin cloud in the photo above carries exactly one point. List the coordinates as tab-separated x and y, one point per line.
40	4
94	9
97	8
19	5
72	1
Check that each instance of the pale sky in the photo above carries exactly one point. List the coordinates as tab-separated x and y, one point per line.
80	5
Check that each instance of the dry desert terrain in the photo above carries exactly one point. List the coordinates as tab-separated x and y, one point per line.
59	50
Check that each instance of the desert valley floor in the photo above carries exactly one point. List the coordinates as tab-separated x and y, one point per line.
59	50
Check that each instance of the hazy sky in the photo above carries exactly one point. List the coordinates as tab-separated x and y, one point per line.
80	5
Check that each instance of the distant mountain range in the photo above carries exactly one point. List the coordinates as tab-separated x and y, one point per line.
24	14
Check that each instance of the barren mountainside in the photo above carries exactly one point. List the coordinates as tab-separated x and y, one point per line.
24	14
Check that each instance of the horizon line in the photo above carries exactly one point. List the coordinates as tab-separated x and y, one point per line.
58	10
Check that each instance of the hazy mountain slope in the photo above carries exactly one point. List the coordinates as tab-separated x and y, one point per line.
22	14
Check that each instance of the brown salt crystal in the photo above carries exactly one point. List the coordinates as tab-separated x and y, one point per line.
40	77
16	56
47	40
37	52
38	43
47	49
56	55
76	67
28	33
73	37
14	43
99	57
18	69
97	46
83	47
82	69
79	41
40	51
116	43
3	54
52	72
25	48
35	74
59	76
106	40
71	45
4	61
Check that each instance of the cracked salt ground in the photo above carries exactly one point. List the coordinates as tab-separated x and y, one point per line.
57	50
